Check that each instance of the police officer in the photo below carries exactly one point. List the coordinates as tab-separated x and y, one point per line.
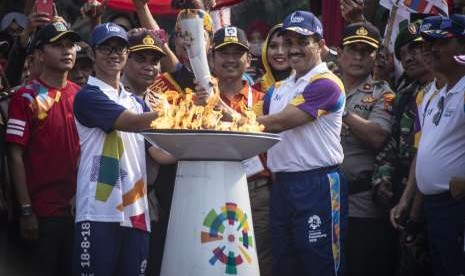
366	124
143	63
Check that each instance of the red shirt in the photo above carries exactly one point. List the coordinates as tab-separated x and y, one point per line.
41	120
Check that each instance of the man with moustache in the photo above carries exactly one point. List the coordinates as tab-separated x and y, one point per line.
440	157
112	219
308	199
44	149
367	122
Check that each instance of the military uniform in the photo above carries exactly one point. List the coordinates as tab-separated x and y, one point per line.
393	165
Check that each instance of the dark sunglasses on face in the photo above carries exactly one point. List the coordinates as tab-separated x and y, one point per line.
108	50
437	117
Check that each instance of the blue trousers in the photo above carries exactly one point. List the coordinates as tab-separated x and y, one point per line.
107	249
445	218
308	216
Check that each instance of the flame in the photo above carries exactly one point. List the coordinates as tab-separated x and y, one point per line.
177	112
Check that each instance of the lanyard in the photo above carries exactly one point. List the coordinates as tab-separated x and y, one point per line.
427	105
249	97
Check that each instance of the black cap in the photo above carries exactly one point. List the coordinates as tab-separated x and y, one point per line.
144	40
230	35
83	51
363	32
53	32
407	34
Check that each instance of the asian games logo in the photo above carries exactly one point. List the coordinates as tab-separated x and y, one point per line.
229	237
112	28
314	222
314	229
296	18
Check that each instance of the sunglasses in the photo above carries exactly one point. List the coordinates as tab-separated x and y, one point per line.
437	117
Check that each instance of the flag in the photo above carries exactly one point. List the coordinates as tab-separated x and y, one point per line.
406	7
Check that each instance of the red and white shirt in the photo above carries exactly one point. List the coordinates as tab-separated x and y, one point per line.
41	120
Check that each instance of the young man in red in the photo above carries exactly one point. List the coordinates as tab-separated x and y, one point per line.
44	149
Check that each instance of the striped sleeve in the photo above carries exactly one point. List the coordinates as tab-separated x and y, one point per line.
20	120
320	97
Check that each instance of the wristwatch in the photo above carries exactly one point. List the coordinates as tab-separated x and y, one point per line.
26	210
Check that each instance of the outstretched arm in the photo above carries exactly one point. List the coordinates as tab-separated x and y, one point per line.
290	117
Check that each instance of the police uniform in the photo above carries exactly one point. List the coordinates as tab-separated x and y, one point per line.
372	100
370	238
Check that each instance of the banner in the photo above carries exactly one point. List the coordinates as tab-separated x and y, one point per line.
161	7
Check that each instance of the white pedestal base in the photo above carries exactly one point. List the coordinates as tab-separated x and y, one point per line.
210	228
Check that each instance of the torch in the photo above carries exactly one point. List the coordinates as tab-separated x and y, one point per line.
192	31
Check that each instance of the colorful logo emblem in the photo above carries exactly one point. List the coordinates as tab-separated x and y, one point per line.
229	234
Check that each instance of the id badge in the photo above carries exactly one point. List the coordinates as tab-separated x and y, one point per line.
252	166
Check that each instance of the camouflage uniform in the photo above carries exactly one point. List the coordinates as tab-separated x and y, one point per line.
393	165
